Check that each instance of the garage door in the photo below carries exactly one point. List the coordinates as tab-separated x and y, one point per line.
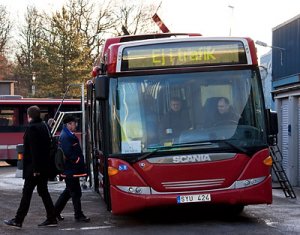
298	141
284	131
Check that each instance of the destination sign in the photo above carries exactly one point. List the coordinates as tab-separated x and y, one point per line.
180	54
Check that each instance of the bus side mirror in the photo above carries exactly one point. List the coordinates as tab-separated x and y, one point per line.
101	87
272	121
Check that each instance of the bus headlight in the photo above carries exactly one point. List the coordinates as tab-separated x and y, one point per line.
248	182
135	189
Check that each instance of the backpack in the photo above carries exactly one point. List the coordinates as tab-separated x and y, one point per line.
60	159
57	157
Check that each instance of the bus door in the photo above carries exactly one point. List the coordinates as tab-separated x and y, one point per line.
102	145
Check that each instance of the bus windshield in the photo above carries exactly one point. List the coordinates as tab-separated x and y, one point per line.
186	109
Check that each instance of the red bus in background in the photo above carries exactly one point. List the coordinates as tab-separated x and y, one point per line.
142	162
13	120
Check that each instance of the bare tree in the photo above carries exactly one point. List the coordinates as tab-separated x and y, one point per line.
133	17
94	21
5	28
61	47
6	68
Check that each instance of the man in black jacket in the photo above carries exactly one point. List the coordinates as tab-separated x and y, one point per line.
35	169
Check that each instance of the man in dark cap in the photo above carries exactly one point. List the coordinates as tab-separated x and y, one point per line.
35	169
74	168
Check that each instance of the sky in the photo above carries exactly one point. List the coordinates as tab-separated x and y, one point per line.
251	18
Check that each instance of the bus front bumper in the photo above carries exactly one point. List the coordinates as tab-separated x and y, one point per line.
123	202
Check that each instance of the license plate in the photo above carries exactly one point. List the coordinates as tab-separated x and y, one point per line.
194	198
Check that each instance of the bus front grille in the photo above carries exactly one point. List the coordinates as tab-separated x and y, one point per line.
193	184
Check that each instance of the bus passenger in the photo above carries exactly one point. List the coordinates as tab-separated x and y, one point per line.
51	122
175	121
74	169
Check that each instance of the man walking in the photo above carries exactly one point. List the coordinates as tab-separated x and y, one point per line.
74	169
35	169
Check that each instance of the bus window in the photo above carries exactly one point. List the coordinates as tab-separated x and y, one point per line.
4	121
45	113
215	91
8	117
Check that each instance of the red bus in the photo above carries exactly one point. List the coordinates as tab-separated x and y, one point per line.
13	120
143	160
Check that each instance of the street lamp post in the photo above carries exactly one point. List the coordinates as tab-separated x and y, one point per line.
33	83
260	43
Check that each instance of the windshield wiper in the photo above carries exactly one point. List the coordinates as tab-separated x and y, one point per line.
236	147
209	142
189	144
146	155
196	143
159	148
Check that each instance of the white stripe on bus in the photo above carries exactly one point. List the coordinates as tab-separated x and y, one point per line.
8	147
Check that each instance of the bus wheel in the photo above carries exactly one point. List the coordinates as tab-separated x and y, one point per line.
12	162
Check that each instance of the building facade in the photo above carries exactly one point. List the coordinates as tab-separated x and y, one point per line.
286	92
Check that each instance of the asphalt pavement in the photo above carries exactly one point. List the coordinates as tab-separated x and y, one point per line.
10	195
283	215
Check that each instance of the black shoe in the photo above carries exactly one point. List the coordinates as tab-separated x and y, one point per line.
82	218
59	218
49	223
13	223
